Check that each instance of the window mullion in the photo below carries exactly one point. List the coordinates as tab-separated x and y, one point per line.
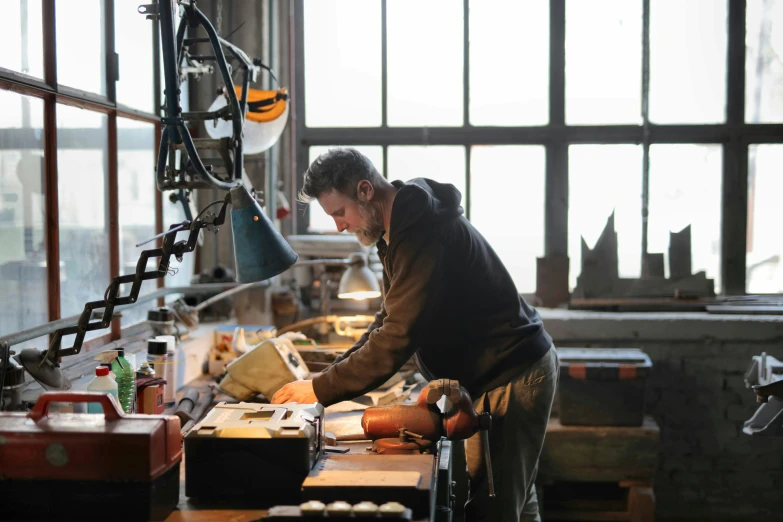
113	211
645	130
384	70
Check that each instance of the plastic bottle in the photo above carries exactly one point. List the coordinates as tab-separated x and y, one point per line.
126	380
163	361
101	383
111	373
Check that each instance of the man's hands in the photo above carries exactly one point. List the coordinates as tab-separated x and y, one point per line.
297	391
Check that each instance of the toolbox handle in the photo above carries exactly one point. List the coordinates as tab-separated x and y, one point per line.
41	408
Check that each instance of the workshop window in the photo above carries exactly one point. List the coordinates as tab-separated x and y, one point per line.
764	61
444	164
507	205
638	107
765	215
685	189
23	281
688	61
425	63
77	185
504	91
21	37
602	180
136	149
134	47
81	49
82	179
597	90
342	41
320	221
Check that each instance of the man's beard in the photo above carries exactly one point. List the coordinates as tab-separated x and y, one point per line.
374	229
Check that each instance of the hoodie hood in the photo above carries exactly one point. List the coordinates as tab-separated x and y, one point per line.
422	197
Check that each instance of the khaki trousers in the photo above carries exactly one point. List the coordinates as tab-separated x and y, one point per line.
520	413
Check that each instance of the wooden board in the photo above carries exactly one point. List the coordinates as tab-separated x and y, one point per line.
599	453
345	425
361	478
362	475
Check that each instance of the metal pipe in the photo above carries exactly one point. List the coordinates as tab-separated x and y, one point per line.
227	293
323	262
47	328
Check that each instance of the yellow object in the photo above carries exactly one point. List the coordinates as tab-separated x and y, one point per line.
272	104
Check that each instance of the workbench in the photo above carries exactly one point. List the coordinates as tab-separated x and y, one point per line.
190	511
203	511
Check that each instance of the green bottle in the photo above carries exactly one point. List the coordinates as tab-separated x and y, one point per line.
126	380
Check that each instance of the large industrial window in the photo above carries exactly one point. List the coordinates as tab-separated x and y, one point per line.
551	116
78	137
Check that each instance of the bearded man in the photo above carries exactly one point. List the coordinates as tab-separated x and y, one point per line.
452	306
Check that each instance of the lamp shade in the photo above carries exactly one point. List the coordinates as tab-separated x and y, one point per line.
260	251
358	282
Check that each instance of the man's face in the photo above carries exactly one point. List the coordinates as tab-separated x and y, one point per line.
361	218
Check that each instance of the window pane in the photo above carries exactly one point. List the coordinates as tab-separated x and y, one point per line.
180	274
320	222
444	164
765	214
136	213
688	61
512	170
81	53
763	63
425	52
342	40
81	184
502	93
685	189
599	36
602	179
133	43
23	280
21	37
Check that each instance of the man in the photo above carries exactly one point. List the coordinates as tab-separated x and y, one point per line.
451	304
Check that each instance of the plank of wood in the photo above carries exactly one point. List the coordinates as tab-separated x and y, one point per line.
368	478
345	425
599	453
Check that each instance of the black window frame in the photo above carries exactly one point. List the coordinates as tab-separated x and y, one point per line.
734	136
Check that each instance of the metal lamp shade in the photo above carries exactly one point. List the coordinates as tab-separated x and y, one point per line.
358	282
260	251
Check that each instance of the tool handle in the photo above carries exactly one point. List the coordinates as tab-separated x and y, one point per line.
186	405
41	409
486	425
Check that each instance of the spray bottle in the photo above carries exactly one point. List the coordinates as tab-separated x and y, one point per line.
126	376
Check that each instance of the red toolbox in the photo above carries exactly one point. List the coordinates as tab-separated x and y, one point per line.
88	466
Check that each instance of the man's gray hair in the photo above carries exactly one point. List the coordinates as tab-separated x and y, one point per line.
341	169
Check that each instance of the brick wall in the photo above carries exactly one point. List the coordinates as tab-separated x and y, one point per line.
708	469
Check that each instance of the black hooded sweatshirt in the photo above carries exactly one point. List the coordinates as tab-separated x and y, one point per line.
450	303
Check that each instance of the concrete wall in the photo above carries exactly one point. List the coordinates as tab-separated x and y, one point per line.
708	469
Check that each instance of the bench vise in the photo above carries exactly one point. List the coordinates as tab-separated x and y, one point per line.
443	409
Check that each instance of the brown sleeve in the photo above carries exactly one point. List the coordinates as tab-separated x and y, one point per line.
376	323
417	280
